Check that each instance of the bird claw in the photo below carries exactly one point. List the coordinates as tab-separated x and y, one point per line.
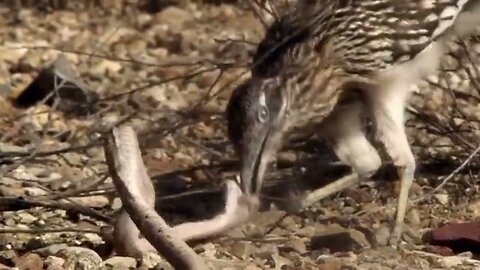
396	235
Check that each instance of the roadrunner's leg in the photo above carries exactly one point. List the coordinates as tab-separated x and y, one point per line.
344	131
388	106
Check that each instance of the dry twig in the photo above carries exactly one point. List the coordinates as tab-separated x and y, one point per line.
450	176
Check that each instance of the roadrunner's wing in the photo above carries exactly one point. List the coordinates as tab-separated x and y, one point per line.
367	35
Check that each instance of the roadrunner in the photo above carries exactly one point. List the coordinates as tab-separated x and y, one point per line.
328	63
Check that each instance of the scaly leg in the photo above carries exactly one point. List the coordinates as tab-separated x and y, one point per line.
332	188
344	131
406	178
388	106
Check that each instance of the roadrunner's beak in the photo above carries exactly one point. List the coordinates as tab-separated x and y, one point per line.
255	158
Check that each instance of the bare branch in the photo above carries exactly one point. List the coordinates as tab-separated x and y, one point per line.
13	204
450	176
260	13
39	231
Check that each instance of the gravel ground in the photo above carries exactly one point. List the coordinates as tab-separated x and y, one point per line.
169	74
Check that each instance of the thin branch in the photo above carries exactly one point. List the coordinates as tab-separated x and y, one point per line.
451	175
74	192
257	10
12	204
196	62
57	230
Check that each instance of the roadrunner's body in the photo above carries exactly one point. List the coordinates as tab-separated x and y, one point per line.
366	55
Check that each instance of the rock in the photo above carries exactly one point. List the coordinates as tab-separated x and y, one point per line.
307	231
265	251
72	158
136	49
30	261
5	89
77	257
338	239
167	95
443	251
12	52
5	240
62	77
347	257
35	243
34	191
118	262
328	262
109	119
174	17
153	259
348	210
116	204
252	267
296	244
281	262
241	250
382	235
262	221
459	237
50	250
105	68
26	218
42	118
330	265
8	257
207	79
442	198
6	147
11	191
10	222
54	263
91	238
372	266
413	217
30	62
474	207
98	201
452	262
290	224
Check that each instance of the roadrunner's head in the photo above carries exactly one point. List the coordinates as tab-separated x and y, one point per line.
257	116
293	81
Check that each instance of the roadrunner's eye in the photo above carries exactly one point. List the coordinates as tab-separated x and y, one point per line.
263	114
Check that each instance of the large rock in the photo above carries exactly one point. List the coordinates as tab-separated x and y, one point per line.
174	17
58	83
120	262
338	239
30	261
459	237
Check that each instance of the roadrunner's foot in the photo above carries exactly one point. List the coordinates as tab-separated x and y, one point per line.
406	180
323	192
